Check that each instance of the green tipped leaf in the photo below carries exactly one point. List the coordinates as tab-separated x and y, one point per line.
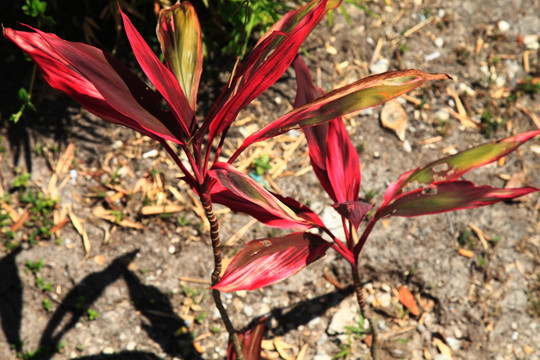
453	167
362	94
264	262
449	196
179	34
252	193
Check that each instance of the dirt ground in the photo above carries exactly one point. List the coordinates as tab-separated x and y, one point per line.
116	281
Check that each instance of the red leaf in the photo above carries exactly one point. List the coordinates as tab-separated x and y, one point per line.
266	63
239	192
448	196
251	340
98	82
161	77
330	149
264	262
355	211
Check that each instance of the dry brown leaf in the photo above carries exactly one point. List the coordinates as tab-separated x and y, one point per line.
160	209
13	215
100	259
281	348
394	117
302	353
467	253
267	345
443	348
77	224
464	120
20	222
104	214
59	225
407	299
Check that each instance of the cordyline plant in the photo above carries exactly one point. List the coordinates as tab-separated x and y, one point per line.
108	89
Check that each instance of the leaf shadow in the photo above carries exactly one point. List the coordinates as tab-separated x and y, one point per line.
78	301
164	326
305	311
11	298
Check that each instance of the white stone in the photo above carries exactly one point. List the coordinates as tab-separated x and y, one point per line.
531	41
248	310
439	42
503	26
150	154
407	146
432	56
343	318
380	66
442	114
454	343
385	300
466	89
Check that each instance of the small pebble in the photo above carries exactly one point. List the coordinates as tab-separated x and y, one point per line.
150	154
248	310
407	146
515	335
73	175
117	144
380	66
432	56
131	346
108	351
385	300
376	154
503	26
439	42
172	249
465	89
386	288
531	42
454	343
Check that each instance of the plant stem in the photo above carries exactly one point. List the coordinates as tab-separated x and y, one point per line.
362	304
216	246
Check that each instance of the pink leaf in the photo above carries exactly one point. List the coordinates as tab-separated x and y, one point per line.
448	196
333	156
161	77
251	340
239	192
98	82
266	63
264	262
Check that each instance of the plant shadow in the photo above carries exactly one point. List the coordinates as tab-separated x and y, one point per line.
162	324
